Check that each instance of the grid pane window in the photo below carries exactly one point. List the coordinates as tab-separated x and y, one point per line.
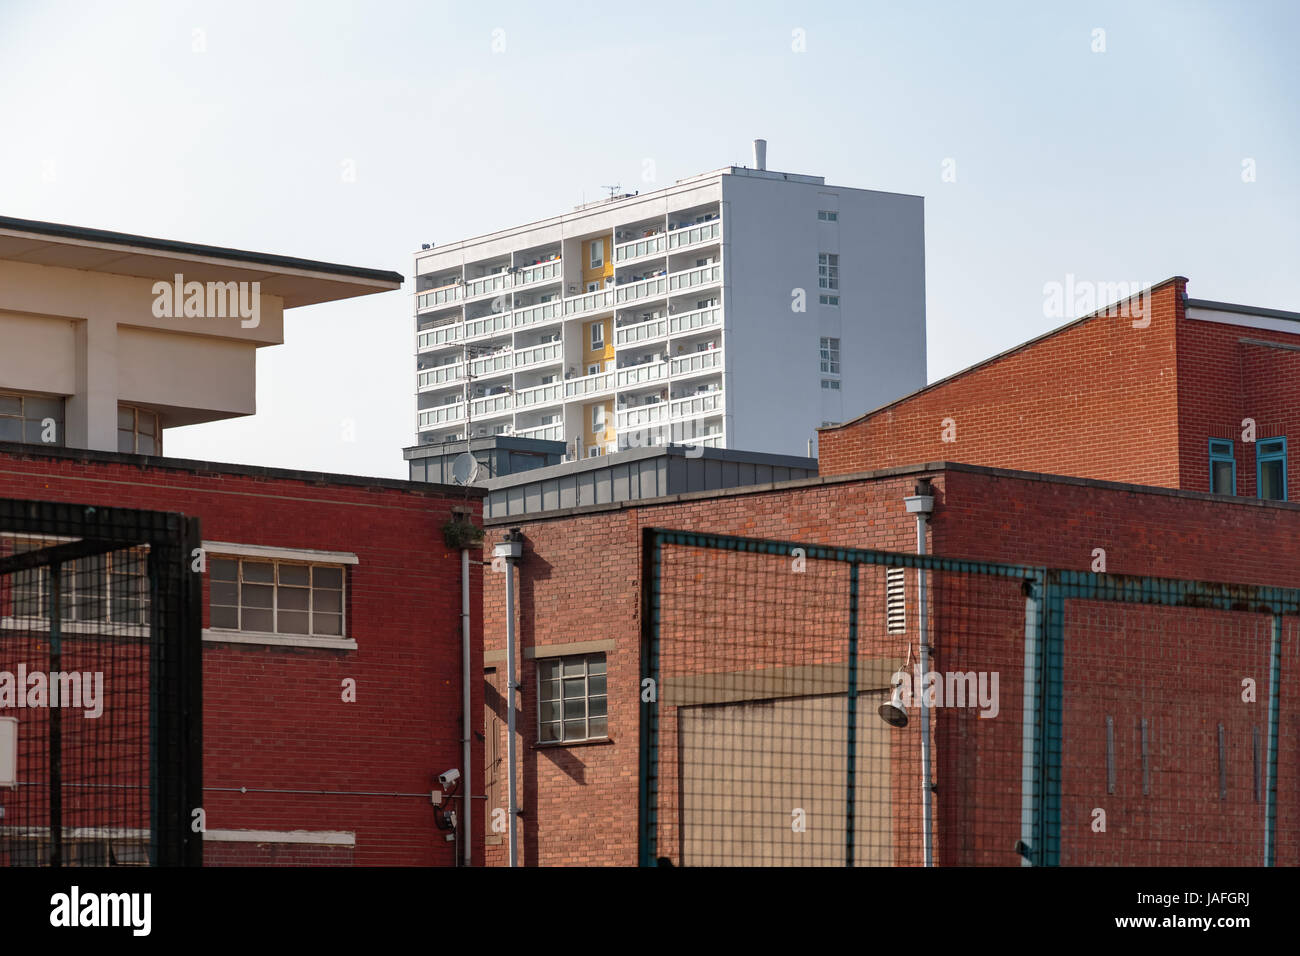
31	418
829	300
571	698
99	589
828	271
139	431
830	356
828	215
275	597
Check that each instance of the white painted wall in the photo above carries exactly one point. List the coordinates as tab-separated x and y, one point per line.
773	236
93	338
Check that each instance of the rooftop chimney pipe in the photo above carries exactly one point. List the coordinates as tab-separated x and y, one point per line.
760	154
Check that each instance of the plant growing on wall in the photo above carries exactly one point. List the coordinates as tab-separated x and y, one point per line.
461	533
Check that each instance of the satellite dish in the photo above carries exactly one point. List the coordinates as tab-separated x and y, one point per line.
464	469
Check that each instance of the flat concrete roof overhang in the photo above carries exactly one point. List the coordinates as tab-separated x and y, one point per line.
297	282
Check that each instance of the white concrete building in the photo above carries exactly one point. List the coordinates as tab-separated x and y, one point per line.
107	339
741	308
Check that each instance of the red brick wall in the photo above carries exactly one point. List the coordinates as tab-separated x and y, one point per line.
1179	669
1098	399
274	718
579	581
1222	381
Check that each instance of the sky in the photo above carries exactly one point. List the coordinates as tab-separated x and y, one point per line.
1110	142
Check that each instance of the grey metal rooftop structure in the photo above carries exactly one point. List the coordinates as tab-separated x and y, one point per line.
497	455
635	474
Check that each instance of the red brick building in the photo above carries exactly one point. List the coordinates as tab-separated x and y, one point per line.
1107	426
1135	394
301	766
332	656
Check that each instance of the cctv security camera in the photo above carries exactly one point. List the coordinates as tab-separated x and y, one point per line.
448	778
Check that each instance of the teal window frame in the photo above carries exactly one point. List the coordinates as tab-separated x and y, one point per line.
1221	450
1261	458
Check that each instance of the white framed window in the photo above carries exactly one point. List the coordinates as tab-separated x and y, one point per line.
830	356
598	419
831	383
828	215
593	369
597	253
829	300
572	698
106	593
593	452
593	286
275	596
828	270
597	336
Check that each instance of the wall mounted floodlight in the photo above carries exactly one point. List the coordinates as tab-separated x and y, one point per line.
893	711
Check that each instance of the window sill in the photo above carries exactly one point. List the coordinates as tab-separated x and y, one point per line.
551	744
214	636
89	628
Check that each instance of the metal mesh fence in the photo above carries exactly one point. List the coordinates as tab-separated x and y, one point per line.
99	687
1166	737
820	706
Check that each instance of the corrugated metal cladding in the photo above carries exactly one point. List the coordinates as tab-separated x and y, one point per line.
636	480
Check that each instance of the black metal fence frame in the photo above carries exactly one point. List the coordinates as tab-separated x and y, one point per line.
175	651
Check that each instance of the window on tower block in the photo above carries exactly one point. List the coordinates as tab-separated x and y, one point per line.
597	253
1223	467
828	271
1270	468
598	336
830	356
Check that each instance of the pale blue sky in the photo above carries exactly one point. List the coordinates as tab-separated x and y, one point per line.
1112	166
